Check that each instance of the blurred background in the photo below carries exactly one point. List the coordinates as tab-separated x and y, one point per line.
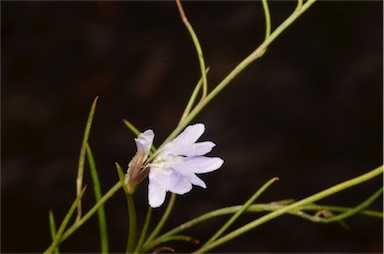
309	111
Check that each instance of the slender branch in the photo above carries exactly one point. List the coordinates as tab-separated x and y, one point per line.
52	227
299	4
192	99
241	211
197	46
94	209
131	127
97	190
267	19
257	208
345	214
59	234
132	224
238	69
80	169
165	217
295	206
144	230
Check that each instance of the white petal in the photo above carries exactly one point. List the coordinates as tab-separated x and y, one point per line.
144	142
180	184
196	149
200	148
161	176
156	193
182	143
199	164
190	135
170	180
194	179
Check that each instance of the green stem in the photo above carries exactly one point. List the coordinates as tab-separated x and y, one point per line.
132	224
256	208
131	127
197	47
144	230
163	219
238	69
94	209
294	206
346	214
299	4
267	19
183	238
192	99
241	211
97	191
343	209
80	169
59	235
52	227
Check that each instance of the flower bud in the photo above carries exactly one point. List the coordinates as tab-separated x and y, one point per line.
136	172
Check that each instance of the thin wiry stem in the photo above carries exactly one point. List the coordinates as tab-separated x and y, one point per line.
80	169
100	211
267	19
132	222
59	235
52	227
192	99
241	211
92	211
197	46
259	208
144	230
165	217
295	206
238	69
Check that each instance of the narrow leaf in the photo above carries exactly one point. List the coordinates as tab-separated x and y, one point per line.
80	170
52	227
100	211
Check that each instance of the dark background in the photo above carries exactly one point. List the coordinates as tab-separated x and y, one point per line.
309	112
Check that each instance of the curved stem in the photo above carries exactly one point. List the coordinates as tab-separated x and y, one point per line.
97	190
257	208
238	69
52	227
267	18
144	230
59	234
80	169
296	205
241	211
352	211
299	4
94	209
163	219
197	46
192	99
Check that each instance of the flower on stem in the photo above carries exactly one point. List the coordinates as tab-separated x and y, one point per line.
174	166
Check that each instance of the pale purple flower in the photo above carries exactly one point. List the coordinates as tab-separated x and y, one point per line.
174	166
